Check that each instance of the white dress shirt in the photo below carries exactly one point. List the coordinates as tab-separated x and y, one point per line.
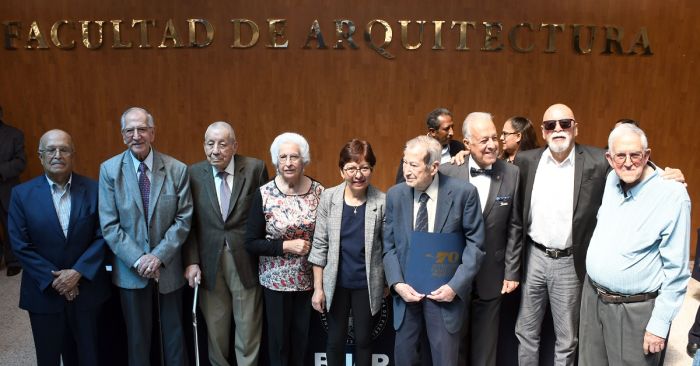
482	182
445	156
552	202
431	205
61	202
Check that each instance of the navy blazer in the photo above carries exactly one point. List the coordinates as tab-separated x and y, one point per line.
457	211
39	244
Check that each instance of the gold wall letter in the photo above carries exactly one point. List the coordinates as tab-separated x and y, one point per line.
577	38
85	33
613	39
117	35
11	33
56	40
438	34
193	32
143	23
463	25
254	33
277	32
551	33
341	34
170	33
35	35
381	50
404	34
493	30
315	33
513	38
641	40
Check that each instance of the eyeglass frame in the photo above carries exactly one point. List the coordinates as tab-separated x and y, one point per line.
551	125
364	170
288	158
130	132
505	134
628	155
52	152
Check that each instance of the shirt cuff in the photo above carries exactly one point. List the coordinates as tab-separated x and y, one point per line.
658	327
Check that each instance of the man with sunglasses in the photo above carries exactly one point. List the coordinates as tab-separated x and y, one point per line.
562	187
637	259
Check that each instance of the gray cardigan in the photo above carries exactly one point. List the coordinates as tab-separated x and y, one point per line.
325	251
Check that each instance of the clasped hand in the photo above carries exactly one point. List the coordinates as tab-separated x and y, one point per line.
66	283
149	266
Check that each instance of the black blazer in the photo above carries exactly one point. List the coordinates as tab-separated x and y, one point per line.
206	238
12	161
590	170
503	227
455	147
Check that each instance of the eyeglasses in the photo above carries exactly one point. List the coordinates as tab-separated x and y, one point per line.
635	157
505	134
565	123
365	170
129	132
53	151
289	158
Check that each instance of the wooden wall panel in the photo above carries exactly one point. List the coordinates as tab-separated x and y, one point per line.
332	95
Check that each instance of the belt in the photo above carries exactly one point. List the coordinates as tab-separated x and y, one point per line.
610	297
551	252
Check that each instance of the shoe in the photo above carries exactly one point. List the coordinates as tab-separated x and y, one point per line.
15	270
692	348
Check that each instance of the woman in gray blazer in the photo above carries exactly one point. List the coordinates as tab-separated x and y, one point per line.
347	254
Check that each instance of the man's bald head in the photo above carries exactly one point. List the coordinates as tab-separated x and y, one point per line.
558	111
56	152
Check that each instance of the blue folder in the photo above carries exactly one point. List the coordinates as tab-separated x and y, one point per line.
433	259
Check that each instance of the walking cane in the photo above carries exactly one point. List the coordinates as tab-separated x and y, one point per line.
194	323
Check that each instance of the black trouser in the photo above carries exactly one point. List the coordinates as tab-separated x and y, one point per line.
694	333
288	317
343	300
5	246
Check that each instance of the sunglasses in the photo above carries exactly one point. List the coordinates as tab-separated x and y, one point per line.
565	123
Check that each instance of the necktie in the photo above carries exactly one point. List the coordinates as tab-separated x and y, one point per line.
224	194
422	215
474	172
145	188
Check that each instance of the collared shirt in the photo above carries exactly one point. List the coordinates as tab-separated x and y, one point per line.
641	244
552	203
230	169
149	164
431	205
482	182
61	202
445	156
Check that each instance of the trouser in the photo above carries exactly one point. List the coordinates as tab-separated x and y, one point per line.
425	315
5	245
694	333
480	340
343	300
288	317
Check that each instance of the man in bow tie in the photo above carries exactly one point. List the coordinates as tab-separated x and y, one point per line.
497	183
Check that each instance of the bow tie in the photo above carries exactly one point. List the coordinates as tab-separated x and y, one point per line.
474	172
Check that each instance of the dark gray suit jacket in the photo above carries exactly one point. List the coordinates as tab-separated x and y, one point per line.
12	161
458	211
209	230
590	170
503	227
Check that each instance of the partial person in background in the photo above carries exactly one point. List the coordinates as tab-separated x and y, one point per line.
55	233
440	127
347	254
497	184
694	332
214	252
12	164
637	259
280	229
146	213
518	134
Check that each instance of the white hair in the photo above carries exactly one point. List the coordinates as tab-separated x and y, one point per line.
471	118
624	129
149	118
431	146
294	138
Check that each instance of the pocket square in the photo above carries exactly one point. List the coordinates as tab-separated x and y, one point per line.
503	198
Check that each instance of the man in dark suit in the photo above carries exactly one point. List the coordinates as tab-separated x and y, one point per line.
222	187
497	183
55	233
145	213
440	127
12	164
431	202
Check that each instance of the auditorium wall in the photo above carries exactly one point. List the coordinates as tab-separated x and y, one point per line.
331	95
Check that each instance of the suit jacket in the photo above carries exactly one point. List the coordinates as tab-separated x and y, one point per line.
209	230
40	245
455	147
326	245
125	229
12	161
458	210
503	227
590	170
